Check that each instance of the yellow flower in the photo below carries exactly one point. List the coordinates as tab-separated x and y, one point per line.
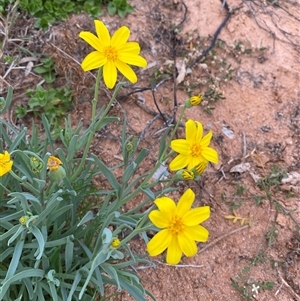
56	172
180	227
115	243
193	101
53	163
112	53
23	220
5	163
194	149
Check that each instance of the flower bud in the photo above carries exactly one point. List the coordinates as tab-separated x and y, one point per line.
129	147
193	101
57	174
184	175
36	165
23	220
115	243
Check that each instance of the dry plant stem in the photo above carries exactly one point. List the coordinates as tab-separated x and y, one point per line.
180	265
208	246
68	56
7	24
290	289
222	237
163	158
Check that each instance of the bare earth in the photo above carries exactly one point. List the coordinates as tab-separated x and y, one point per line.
256	130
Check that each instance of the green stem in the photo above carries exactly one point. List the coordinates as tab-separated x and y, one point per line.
113	98
135	232
157	165
169	183
95	99
90	138
95	124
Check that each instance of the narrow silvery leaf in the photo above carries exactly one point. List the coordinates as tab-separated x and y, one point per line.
74	285
17	233
69	253
41	242
88	216
28	273
15	260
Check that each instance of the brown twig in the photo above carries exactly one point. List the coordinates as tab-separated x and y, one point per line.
222	237
289	288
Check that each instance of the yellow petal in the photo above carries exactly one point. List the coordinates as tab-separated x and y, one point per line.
174	252
210	154
5	169
120	37
185	202
199	132
132	59
5	163
159	242
194	161
200	168
102	33
181	146
196	216
197	233
5	157
179	162
94	60
187	245
206	139
160	219
126	71
165	205
131	47
92	40
190	131
110	74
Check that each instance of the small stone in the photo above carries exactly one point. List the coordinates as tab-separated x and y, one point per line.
218	260
282	220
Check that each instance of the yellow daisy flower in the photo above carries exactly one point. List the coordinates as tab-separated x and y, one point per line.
5	163
193	150
53	163
112	53
180	227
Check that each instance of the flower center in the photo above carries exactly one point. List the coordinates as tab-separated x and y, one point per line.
176	225
196	150
110	53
